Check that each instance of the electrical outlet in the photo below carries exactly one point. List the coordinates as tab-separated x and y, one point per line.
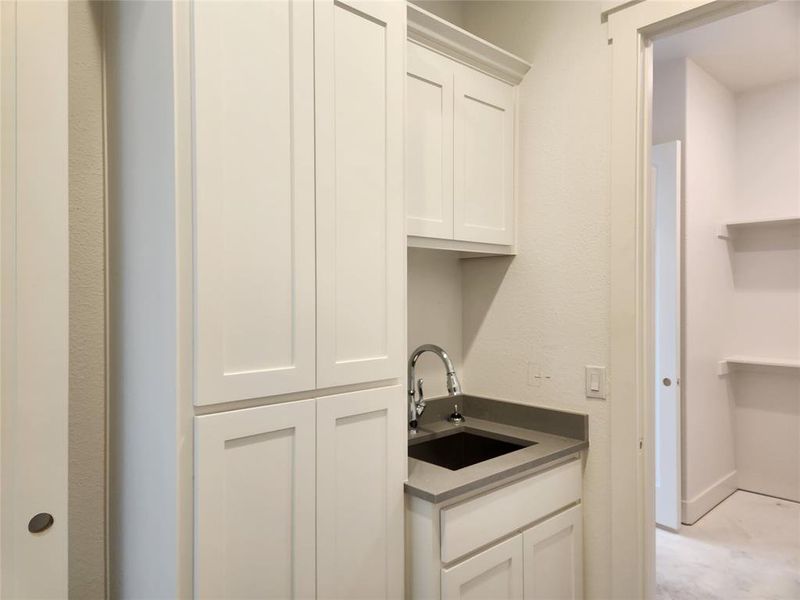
596	382
534	374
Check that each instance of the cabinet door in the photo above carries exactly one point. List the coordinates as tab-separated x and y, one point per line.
484	158
554	558
360	47
494	574
361	451
254	198
429	143
254	502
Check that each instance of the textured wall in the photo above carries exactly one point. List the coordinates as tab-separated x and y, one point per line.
434	313
449	10
87	304
549	305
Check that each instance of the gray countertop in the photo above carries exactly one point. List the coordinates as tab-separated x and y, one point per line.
437	484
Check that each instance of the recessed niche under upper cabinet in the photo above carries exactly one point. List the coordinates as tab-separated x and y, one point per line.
460	139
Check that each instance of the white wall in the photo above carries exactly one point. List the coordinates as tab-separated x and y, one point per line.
768	160
669	103
709	466
434	314
449	10
766	299
549	305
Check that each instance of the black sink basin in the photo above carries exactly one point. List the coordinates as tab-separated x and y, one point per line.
462	449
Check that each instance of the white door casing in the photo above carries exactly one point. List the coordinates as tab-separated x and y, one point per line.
667	255
631	30
361	457
255	502
254	198
429	143
359	77
34	297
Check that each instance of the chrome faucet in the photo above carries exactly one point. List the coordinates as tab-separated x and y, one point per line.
416	400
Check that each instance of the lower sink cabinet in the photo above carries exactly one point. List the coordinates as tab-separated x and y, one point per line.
302	499
552	557
520	540
541	563
495	573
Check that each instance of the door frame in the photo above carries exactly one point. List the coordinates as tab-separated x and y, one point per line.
632	27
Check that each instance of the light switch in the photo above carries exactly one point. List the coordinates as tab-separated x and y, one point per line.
595	382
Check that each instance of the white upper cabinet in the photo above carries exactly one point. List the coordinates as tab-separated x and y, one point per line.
360	58
254	502
460	138
483	176
429	141
253	170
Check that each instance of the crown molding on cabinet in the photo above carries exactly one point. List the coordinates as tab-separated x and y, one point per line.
437	34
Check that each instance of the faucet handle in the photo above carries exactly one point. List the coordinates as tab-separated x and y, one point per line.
419	391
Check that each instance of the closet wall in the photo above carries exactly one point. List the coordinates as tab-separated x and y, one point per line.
740	423
765	267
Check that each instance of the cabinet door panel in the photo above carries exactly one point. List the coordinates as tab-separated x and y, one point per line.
254	502
360	231
554	558
494	574
484	158
361	451
254	198
429	143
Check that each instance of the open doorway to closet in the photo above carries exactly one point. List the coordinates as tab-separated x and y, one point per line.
726	191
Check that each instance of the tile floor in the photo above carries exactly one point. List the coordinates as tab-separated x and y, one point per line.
748	547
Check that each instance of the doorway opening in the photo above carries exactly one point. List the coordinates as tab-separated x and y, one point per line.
725	190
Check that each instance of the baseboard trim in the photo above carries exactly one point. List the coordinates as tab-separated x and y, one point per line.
692	510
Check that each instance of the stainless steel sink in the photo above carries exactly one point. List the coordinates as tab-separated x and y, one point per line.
462	449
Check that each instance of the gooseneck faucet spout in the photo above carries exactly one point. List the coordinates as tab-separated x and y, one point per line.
416	401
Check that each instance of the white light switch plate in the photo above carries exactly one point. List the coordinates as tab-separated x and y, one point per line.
595	382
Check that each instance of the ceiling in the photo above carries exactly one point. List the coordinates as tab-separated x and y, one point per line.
751	49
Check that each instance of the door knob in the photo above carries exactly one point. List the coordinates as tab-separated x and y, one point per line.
667	381
40	522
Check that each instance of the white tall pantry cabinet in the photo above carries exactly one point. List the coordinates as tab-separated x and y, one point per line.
257	298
